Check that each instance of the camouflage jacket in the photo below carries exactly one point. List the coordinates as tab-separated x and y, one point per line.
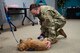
49	16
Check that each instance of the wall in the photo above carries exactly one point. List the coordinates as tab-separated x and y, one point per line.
69	4
11	2
72	3
49	2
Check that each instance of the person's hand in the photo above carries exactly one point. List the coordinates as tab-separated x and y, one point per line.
48	44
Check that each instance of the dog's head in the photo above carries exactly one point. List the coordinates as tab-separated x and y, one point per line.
21	46
24	44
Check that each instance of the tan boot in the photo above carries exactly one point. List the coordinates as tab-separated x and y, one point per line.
61	31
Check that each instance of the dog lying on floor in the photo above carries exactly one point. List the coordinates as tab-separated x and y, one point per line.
34	45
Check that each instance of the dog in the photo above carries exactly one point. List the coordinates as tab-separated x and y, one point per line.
34	45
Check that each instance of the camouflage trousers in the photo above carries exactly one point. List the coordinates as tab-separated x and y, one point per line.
50	30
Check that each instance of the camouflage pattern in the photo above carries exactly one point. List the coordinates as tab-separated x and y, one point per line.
51	21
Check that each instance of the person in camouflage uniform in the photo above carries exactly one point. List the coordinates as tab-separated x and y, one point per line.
51	21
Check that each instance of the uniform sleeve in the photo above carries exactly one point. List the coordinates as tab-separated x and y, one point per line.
52	18
49	17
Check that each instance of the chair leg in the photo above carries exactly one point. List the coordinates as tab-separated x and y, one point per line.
0	31
1	27
61	31
15	29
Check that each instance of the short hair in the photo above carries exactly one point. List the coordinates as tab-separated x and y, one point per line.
32	6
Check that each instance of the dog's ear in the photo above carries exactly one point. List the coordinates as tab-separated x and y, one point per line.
21	40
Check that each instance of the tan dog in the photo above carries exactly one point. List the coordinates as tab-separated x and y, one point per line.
33	44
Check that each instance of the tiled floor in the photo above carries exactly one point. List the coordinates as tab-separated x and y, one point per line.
69	45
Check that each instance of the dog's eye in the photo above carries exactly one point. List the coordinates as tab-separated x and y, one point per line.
21	40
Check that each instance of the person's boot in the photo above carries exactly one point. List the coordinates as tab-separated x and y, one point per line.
61	31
